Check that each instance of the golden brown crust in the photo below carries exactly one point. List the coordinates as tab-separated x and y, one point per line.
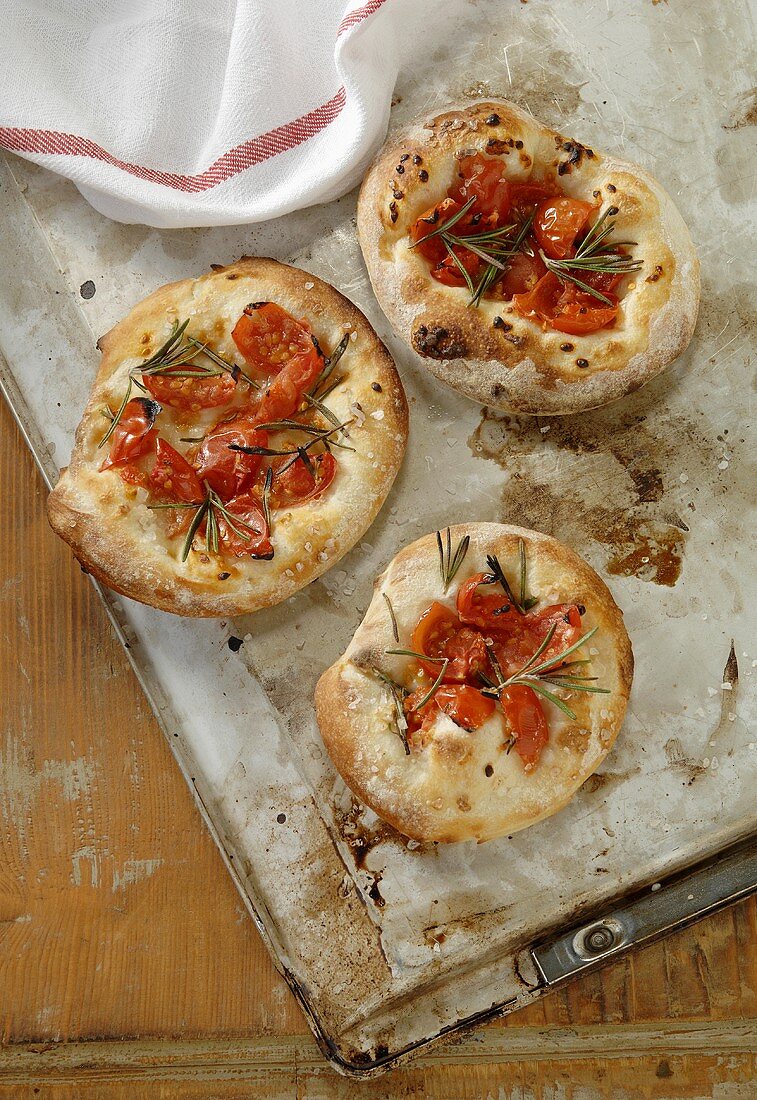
122	543
519	365
465	786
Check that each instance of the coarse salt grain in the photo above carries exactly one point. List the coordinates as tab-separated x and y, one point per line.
725	686
712	691
309	286
723	464
322	555
731	716
353	337
683	478
378	414
545	429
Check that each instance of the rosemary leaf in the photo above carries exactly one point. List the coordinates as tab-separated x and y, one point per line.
393	617
434	687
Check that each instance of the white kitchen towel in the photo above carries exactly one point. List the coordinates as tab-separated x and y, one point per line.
204	112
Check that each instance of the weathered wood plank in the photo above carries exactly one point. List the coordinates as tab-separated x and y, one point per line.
117	918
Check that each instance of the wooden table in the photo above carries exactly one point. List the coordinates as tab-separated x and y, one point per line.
128	966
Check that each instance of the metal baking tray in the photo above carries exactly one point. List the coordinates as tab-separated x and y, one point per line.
386	943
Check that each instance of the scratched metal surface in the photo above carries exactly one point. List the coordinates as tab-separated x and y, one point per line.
388	942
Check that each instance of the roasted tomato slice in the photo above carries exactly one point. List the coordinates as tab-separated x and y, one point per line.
557	223
527	632
482	603
284	395
483	178
230	472
190	394
440	633
246	533
526	196
172	477
527	722
434	249
465	705
268	337
566	309
135	434
523	273
449	273
298	482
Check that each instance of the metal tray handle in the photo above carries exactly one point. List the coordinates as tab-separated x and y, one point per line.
661	908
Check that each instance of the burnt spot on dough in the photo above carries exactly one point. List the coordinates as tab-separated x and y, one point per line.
658	271
423	175
393	211
504	326
498	147
517	341
437	342
417	159
576	152
493	119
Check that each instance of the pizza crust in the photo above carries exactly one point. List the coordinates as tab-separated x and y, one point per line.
123	544
520	365
442	792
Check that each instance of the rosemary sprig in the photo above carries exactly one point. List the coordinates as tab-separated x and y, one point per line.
535	673
209	510
266	499
398	694
595	253
450	563
499	259
320	435
329	363
446	225
393	617
497	574
176	358
526	601
443	661
496	247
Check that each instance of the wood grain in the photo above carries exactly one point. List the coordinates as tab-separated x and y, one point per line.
119	922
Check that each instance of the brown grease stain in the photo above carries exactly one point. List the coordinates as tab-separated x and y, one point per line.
614	490
657	559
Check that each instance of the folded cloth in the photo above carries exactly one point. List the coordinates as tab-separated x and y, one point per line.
184	113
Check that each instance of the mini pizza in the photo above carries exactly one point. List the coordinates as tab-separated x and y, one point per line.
528	271
487	681
243	431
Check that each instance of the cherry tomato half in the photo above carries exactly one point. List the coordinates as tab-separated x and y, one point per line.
522	275
465	705
251	538
230	472
439	633
525	717
268	337
135	434
525	196
483	178
565	308
297	483
557	223
527	632
172	477
483	603
190	394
